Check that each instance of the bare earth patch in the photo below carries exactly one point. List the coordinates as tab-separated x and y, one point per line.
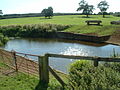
115	38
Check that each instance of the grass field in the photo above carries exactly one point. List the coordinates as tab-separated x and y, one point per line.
20	81
77	22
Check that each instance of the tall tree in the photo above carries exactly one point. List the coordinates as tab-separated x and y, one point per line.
85	8
103	6
1	12
48	12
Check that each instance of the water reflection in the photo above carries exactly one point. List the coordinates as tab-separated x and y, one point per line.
66	47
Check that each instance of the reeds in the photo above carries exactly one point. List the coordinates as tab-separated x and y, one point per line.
31	30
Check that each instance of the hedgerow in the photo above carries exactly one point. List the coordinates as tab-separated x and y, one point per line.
32	30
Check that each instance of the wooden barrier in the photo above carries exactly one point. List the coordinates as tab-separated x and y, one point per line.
44	67
43	64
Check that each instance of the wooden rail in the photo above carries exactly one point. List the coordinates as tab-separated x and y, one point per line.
43	68
93	58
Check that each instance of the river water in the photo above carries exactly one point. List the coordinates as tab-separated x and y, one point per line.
66	47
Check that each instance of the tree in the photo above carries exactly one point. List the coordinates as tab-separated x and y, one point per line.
47	12
85	8
1	12
103	6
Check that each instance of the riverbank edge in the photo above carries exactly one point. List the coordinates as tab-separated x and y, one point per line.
87	38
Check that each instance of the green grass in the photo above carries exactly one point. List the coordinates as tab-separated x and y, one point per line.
20	81
77	22
67	19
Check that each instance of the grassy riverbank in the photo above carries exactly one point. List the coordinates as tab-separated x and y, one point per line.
20	81
77	22
83	76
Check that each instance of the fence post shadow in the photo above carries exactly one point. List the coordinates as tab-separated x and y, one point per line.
41	86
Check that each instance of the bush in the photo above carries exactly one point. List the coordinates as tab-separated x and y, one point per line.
84	76
3	39
33	30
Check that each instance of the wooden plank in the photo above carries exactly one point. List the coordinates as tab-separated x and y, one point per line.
96	63
15	59
57	77
106	59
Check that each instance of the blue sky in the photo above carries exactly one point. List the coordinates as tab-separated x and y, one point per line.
36	6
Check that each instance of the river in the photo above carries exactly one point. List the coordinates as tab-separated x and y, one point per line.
41	46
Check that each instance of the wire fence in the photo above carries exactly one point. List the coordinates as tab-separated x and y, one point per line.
20	62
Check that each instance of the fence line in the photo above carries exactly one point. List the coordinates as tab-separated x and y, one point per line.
42	68
93	58
20	63
45	68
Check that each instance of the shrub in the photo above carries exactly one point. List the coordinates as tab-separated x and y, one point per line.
33	30
84	76
3	39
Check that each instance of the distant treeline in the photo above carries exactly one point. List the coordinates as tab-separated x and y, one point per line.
7	16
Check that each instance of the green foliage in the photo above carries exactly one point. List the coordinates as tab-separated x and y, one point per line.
47	12
1	12
84	76
34	30
77	22
117	14
86	9
3	39
103	6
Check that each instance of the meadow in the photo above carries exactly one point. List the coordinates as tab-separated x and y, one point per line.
82	76
77	23
23	81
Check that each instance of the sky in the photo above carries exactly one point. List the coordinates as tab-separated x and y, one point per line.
59	6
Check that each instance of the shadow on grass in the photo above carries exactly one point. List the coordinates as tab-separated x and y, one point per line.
108	17
41	86
45	18
85	17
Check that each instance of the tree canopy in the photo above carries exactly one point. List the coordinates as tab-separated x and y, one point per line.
47	12
85	8
103	6
1	12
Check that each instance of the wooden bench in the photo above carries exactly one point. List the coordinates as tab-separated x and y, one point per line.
93	22
115	22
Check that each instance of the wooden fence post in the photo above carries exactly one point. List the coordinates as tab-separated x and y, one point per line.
15	61
95	63
43	71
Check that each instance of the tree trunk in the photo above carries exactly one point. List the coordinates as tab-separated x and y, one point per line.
87	15
103	15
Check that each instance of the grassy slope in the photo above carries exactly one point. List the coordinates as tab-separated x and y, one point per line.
22	81
78	22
